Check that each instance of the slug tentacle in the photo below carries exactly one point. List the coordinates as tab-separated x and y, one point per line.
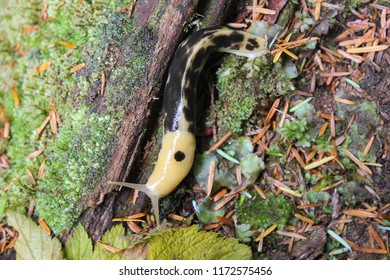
142	187
178	144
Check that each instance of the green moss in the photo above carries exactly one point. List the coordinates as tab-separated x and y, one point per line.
285	15
356	142
242	86
123	53
315	197
366	125
352	191
156	15
118	94
348	6
261	213
323	144
82	149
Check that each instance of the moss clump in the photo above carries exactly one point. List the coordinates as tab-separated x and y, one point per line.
242	86
155	17
259	213
79	161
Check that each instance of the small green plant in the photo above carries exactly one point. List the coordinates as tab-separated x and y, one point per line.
305	21
315	197
243	233
296	132
323	144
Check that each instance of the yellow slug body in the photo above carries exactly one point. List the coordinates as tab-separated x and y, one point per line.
174	162
178	144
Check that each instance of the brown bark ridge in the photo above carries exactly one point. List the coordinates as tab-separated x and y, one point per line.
102	204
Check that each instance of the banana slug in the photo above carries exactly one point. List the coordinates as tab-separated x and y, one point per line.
178	144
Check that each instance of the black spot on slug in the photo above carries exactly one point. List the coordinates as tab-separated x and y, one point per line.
224	41
199	59
179	156
252	44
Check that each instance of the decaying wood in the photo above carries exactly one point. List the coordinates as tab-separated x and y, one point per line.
101	205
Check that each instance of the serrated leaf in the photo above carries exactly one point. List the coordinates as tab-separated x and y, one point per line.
192	244
33	243
115	238
79	245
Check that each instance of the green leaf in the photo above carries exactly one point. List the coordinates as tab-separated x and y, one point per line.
33	243
192	244
79	245
114	238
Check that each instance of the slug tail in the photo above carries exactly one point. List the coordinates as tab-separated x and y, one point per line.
142	188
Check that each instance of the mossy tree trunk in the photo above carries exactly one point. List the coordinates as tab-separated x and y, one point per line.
159	29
